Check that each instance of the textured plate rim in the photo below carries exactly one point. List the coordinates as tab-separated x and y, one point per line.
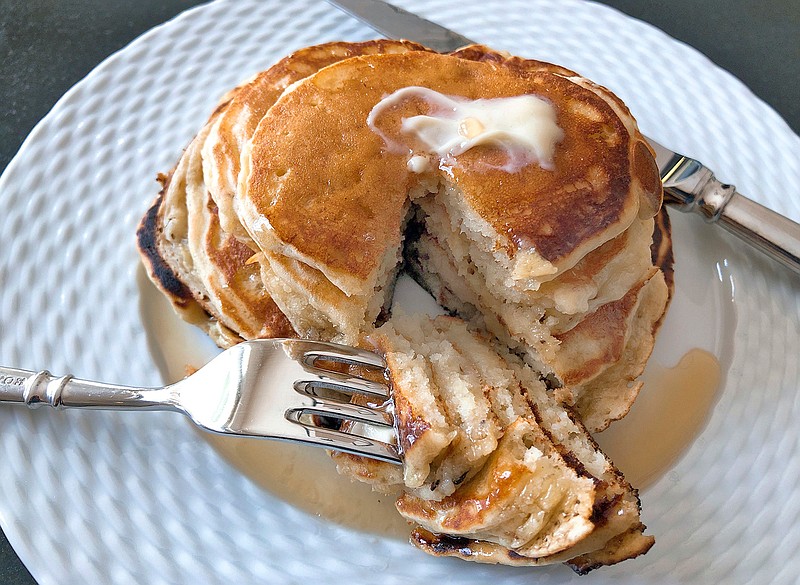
35	134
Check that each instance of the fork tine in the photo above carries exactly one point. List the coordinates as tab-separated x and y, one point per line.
347	383
314	350
327	406
330	391
309	354
347	442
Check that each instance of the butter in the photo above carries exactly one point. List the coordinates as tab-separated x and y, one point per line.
418	164
523	126
470	127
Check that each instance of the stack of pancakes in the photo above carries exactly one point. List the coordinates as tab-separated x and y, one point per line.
193	245
289	215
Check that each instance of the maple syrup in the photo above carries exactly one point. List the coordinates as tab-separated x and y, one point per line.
306	477
670	412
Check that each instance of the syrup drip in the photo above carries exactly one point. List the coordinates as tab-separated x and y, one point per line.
669	414
306	477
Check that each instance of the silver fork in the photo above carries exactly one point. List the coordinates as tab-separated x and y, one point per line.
284	389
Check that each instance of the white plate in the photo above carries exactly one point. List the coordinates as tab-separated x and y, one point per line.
117	498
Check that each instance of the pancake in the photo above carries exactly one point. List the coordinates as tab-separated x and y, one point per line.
203	270
194	248
496	470
535	216
234	127
531	254
335	223
297	204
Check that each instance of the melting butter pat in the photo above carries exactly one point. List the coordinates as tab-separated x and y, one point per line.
470	127
418	164
523	126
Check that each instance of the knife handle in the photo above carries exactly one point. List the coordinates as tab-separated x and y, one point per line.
775	235
691	187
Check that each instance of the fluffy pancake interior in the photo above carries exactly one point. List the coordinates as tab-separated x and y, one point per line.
600	315
490	456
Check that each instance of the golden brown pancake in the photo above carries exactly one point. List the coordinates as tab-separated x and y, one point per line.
194	248
496	470
203	270
290	215
487	233
234	127
342	220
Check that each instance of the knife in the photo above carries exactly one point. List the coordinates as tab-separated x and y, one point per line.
689	185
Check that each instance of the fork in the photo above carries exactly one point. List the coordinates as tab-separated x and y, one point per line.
285	389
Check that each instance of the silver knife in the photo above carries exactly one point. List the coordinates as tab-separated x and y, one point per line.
689	185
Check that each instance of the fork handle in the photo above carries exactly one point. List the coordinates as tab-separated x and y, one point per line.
35	389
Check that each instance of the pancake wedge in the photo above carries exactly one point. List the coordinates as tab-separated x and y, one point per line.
496	470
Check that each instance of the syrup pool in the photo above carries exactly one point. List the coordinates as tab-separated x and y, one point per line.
668	416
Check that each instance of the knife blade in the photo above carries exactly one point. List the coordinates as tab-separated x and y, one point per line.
396	23
689	186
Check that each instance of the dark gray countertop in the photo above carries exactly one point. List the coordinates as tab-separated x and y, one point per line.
46	46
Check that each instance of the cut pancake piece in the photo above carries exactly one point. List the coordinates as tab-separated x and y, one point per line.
544	493
419	411
473	426
525	497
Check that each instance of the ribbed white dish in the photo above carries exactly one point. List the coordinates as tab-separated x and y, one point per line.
137	498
